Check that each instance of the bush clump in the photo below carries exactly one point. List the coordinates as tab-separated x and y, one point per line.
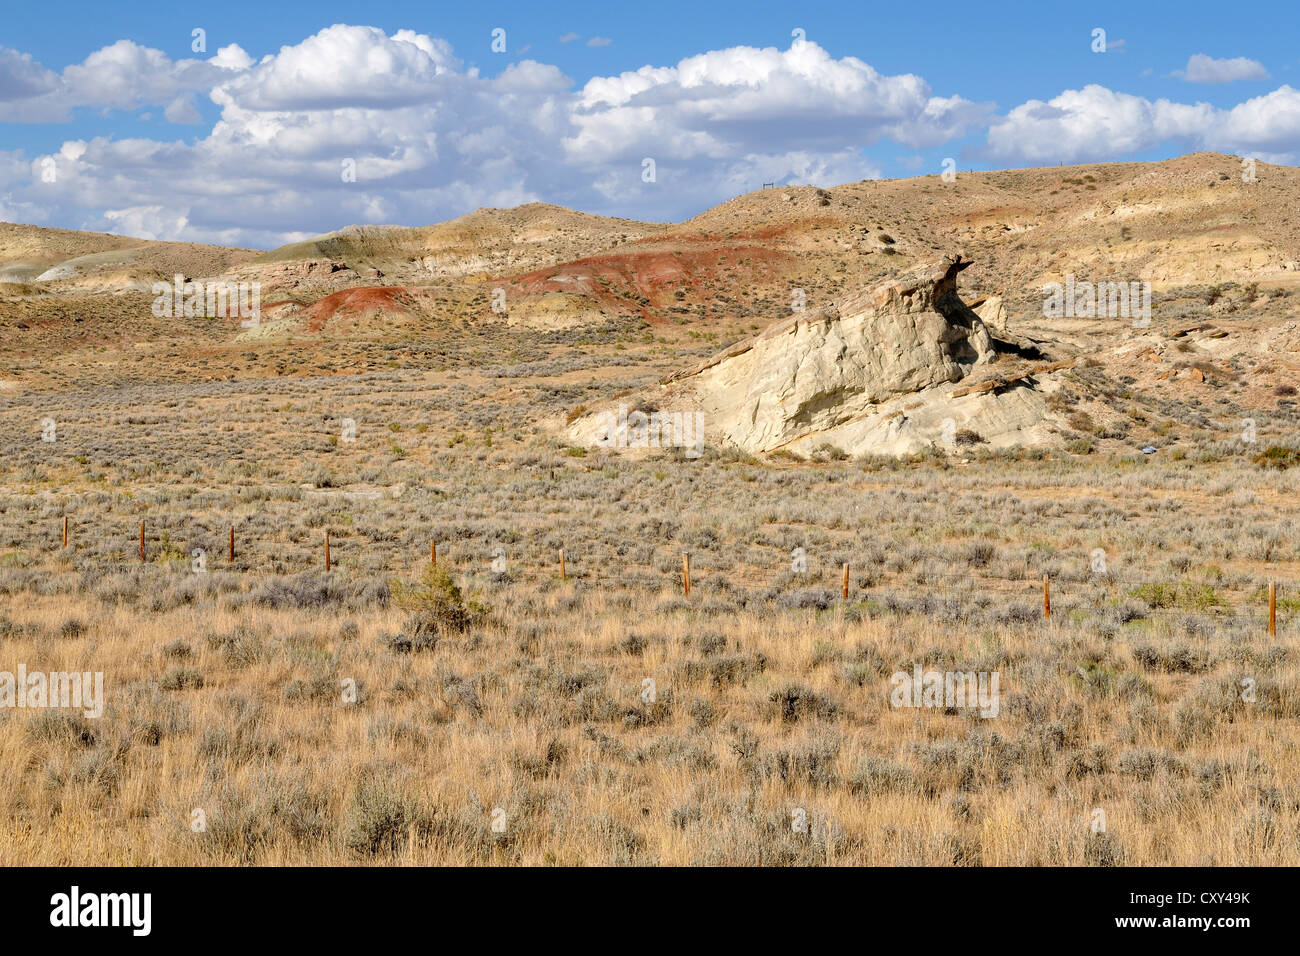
436	605
378	819
1276	456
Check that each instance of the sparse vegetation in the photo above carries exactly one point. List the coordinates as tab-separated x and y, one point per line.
1278	457
383	710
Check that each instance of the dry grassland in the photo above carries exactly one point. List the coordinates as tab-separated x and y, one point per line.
1154	694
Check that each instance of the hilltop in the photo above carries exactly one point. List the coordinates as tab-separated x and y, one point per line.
363	574
1219	250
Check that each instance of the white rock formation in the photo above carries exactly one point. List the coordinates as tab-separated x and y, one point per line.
992	312
876	373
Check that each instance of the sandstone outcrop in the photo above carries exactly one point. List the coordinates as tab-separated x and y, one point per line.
992	312
876	372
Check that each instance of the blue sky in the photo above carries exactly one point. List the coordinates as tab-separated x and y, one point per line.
248	140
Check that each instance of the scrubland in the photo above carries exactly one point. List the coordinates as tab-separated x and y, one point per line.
382	712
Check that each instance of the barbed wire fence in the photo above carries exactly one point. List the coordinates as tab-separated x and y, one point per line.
796	585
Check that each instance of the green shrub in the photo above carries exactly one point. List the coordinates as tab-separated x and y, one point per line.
436	604
1157	594
377	819
182	679
1275	456
1198	597
828	452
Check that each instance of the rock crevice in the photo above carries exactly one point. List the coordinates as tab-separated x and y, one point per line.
871	373
817	370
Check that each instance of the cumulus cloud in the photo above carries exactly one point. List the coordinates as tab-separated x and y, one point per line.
744	99
183	110
22	78
1265	126
429	139
1093	123
724	121
344	66
1096	123
232	57
147	222
1206	69
122	76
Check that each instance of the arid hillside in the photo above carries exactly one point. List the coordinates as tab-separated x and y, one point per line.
1187	226
683	655
1216	244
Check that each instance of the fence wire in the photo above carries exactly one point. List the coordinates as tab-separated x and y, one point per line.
821	587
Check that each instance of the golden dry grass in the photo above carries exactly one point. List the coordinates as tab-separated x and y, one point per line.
225	689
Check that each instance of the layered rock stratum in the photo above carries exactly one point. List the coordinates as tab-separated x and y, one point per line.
876	372
597	307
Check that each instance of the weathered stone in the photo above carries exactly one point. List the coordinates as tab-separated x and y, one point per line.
821	368
871	373
992	312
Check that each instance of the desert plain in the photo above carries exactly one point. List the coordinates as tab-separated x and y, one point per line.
405	390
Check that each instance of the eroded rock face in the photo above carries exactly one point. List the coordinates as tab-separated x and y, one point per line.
888	370
819	369
992	312
936	418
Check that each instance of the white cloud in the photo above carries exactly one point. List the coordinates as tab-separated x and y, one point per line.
21	77
724	122
183	110
1267	126
1206	69
742	100
232	57
123	76
431	139
1096	123
570	37
344	66
599	41
146	222
942	120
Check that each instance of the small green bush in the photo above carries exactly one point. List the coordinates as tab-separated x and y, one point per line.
1275	456
436	604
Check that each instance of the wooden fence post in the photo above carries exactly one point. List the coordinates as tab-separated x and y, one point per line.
142	540
686	573
433	553
1272	609
1047	598
563	576
65	531
327	551
846	582
232	544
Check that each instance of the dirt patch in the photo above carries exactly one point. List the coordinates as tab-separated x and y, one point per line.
367	300
648	280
